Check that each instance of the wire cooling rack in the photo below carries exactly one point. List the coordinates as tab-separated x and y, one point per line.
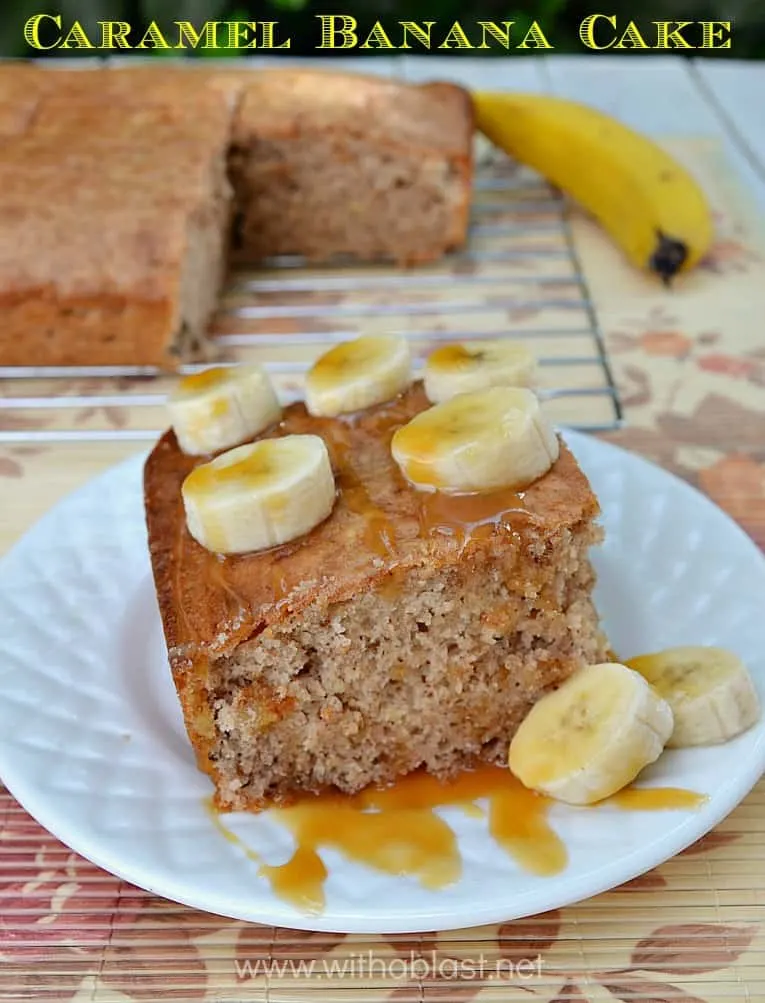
518	276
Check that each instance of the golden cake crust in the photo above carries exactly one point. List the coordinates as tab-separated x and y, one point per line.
98	218
115	203
333	561
210	605
433	117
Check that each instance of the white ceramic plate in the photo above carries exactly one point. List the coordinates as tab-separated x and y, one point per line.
92	742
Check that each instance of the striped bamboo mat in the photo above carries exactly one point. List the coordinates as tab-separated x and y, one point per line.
689	366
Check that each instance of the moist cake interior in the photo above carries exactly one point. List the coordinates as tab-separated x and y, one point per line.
398	634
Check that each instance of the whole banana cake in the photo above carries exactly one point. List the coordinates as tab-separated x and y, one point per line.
335	615
124	194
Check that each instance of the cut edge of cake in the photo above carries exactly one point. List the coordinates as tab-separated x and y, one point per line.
293	691
94	306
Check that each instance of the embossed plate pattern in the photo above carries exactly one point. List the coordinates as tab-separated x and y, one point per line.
92	742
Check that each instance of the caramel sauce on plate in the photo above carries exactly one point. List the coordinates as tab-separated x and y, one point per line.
657	799
397	830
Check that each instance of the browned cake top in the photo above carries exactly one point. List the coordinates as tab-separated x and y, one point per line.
437	117
379	522
89	160
96	188
114	107
21	85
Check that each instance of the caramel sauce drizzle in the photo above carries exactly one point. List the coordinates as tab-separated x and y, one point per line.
454	357
204	380
466	517
209	379
379	534
396	829
460	517
279	584
463	517
255	466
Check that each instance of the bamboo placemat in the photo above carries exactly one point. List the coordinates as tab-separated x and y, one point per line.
690	366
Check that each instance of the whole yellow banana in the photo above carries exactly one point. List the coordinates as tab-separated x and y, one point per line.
649	204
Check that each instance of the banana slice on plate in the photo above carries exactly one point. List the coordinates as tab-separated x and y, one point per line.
221	407
481	441
592	736
476	365
358	374
260	495
711	694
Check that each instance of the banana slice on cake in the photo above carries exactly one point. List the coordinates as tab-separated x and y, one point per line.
709	690
221	407
476	365
591	737
260	495
481	441
358	374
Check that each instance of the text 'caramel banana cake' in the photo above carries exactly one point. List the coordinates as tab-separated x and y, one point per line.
367	583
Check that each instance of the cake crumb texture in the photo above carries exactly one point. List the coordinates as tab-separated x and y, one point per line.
326	169
379	643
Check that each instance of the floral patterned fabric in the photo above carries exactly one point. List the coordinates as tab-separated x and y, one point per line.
690	366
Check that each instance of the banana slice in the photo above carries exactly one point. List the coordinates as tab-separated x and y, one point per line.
358	374
259	495
481	441
709	690
592	736
221	407
476	365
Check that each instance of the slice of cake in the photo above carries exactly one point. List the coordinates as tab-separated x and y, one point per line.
327	165
408	629
114	204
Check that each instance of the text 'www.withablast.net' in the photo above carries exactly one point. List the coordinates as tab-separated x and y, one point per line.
417	966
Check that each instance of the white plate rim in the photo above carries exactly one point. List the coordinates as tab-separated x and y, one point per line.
579	888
